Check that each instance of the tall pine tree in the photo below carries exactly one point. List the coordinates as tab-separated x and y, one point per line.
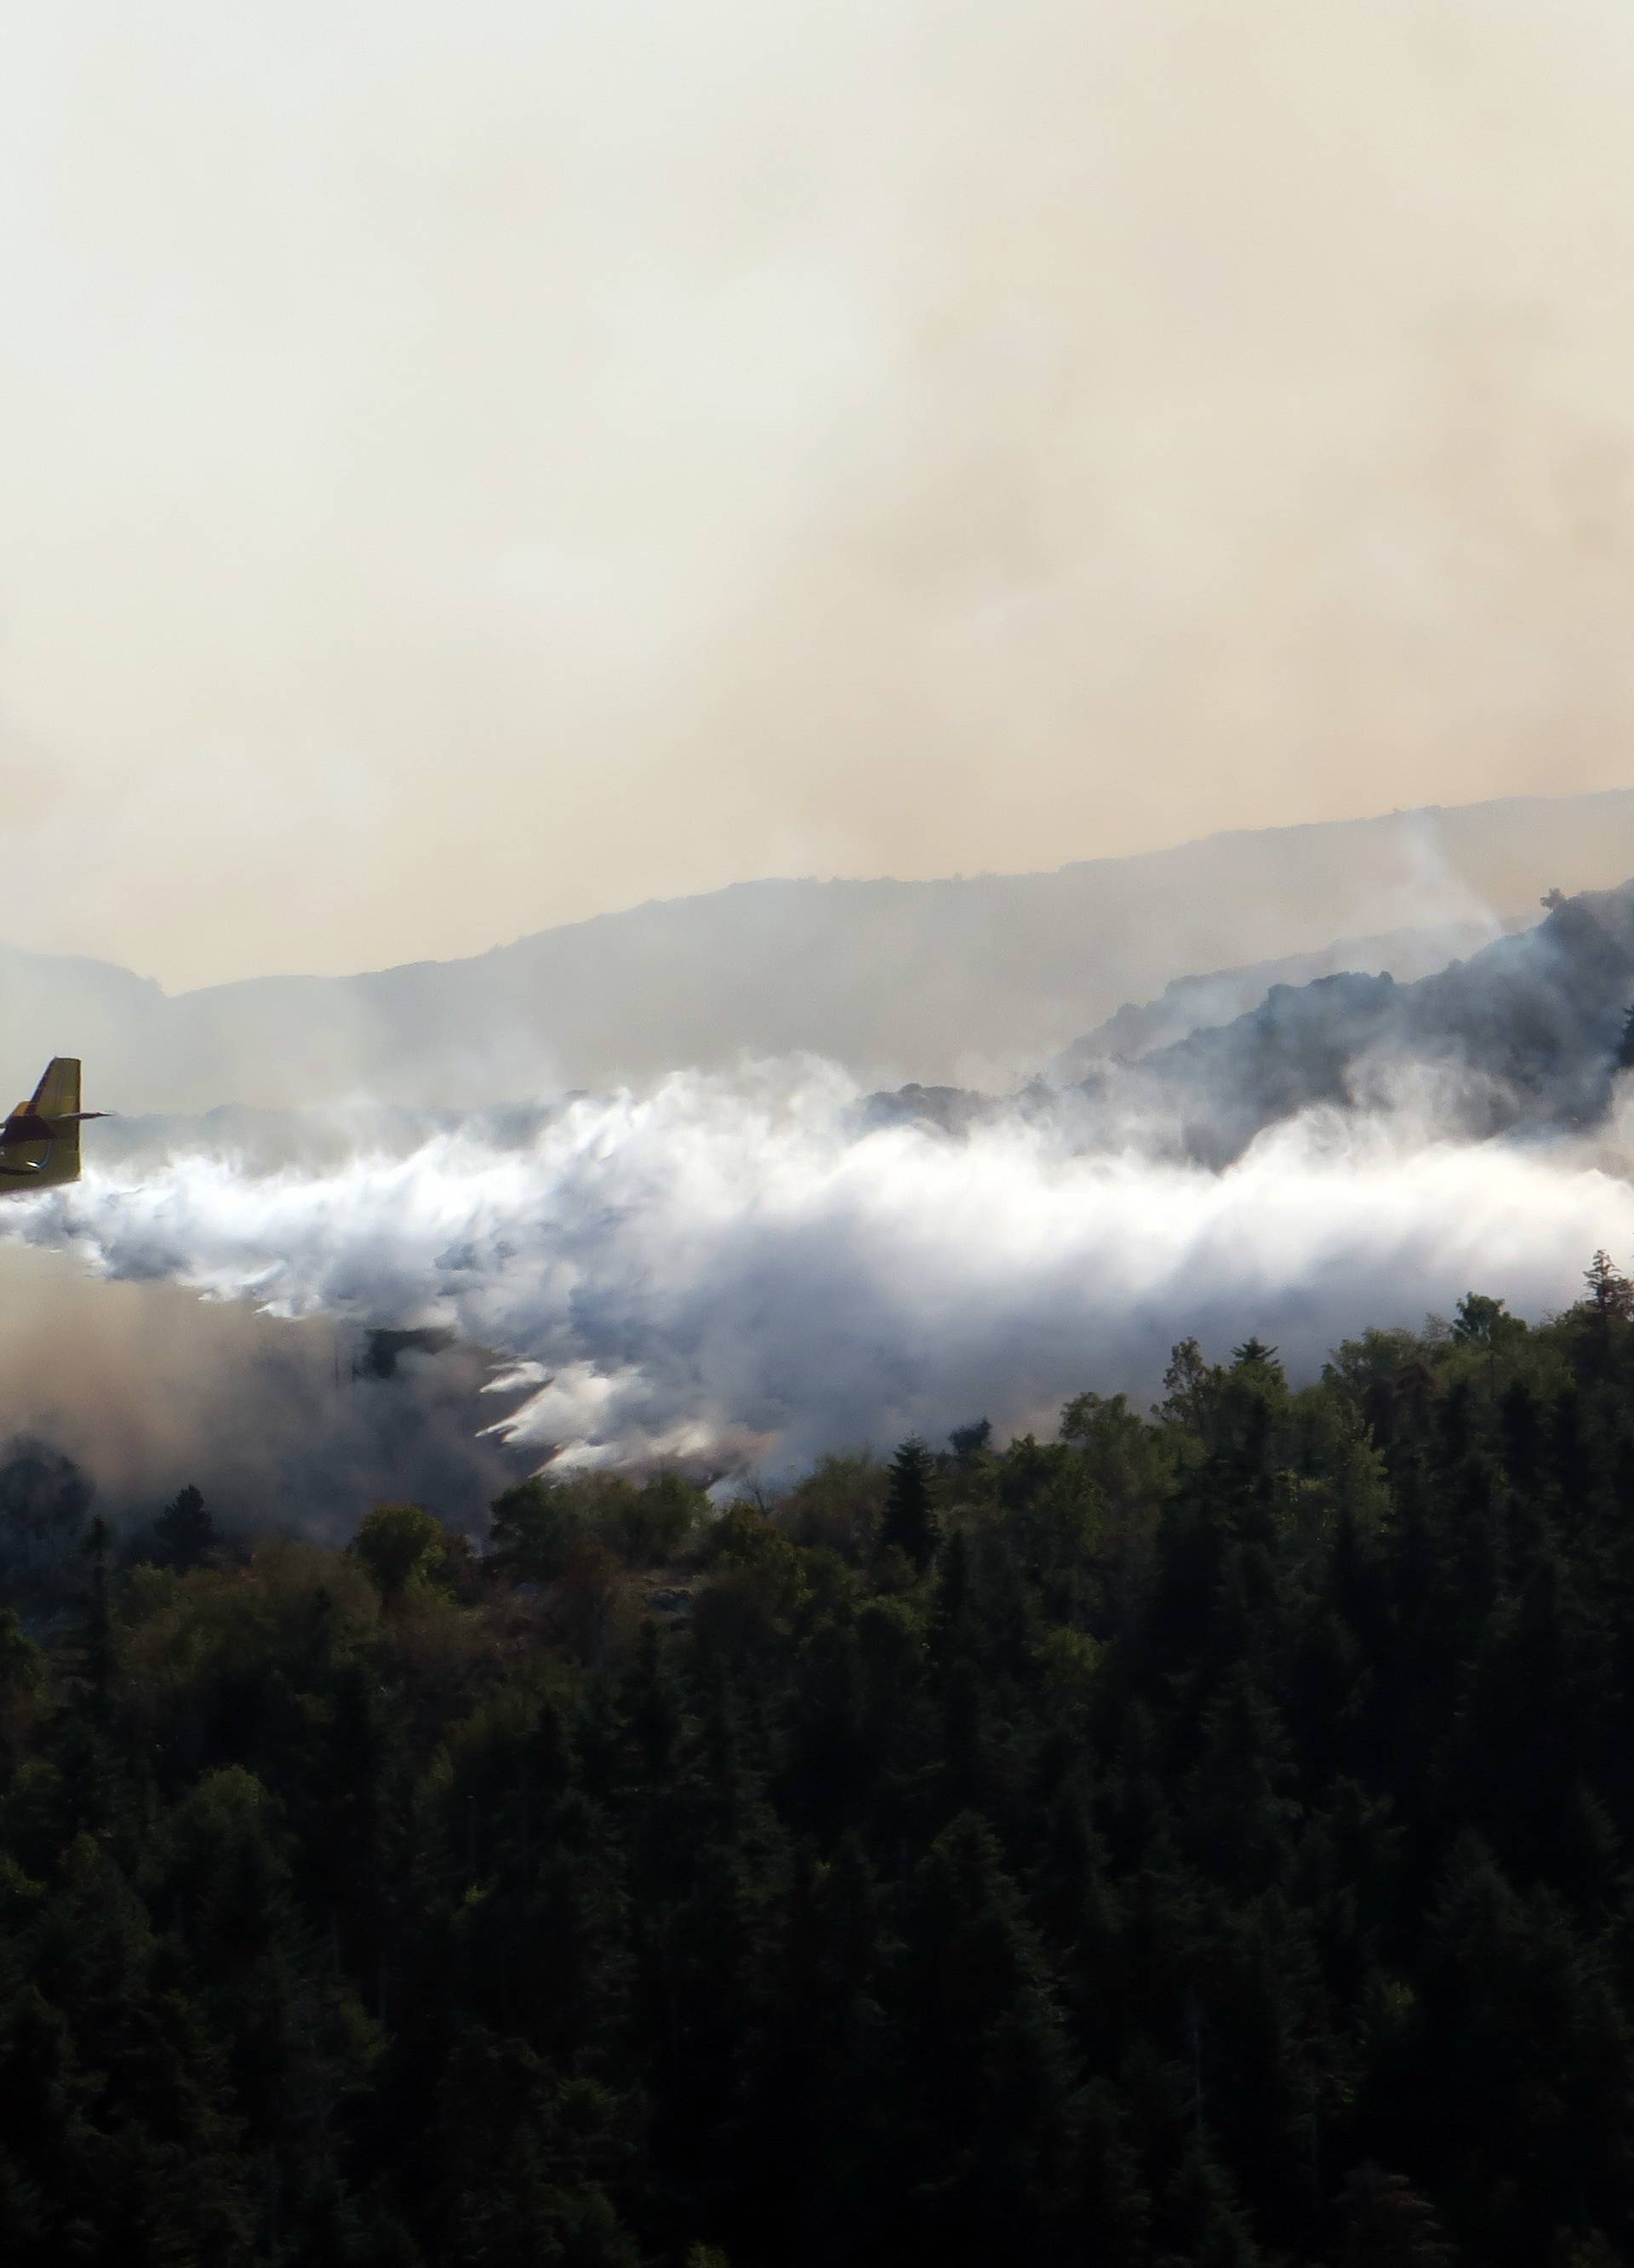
909	1524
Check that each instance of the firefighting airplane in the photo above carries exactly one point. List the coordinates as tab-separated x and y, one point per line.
39	1141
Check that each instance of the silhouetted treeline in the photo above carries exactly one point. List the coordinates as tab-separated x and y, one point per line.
1199	1841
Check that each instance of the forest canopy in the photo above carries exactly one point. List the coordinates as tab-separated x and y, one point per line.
1202	1837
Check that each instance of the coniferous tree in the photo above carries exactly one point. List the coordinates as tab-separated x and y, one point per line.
1610	1293
1387	2223
989	2158
909	1524
184	1535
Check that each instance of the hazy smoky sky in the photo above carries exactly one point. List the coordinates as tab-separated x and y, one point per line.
465	468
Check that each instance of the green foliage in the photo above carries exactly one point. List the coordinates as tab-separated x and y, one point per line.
403	1546
837	1507
541	1527
22	1664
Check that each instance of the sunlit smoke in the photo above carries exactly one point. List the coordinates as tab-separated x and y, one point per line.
488	464
732	1272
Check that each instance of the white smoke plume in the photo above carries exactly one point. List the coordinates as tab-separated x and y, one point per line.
735	1271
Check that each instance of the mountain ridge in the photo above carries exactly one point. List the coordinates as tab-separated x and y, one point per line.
949	980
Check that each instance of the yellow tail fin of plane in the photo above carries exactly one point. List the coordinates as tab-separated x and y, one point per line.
57	1094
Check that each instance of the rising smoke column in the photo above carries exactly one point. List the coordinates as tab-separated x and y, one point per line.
731	1271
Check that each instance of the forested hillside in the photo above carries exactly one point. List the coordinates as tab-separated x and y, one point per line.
1526	1033
1203	1838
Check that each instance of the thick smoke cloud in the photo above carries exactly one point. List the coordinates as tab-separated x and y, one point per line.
741	1272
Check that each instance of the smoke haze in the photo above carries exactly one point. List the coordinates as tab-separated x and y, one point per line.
148	1388
473	467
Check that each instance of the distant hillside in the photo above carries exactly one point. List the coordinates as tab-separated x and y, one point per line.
966	979
1523	1033
1201	1004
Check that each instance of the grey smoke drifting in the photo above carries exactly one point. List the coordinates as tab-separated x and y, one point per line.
734	1271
